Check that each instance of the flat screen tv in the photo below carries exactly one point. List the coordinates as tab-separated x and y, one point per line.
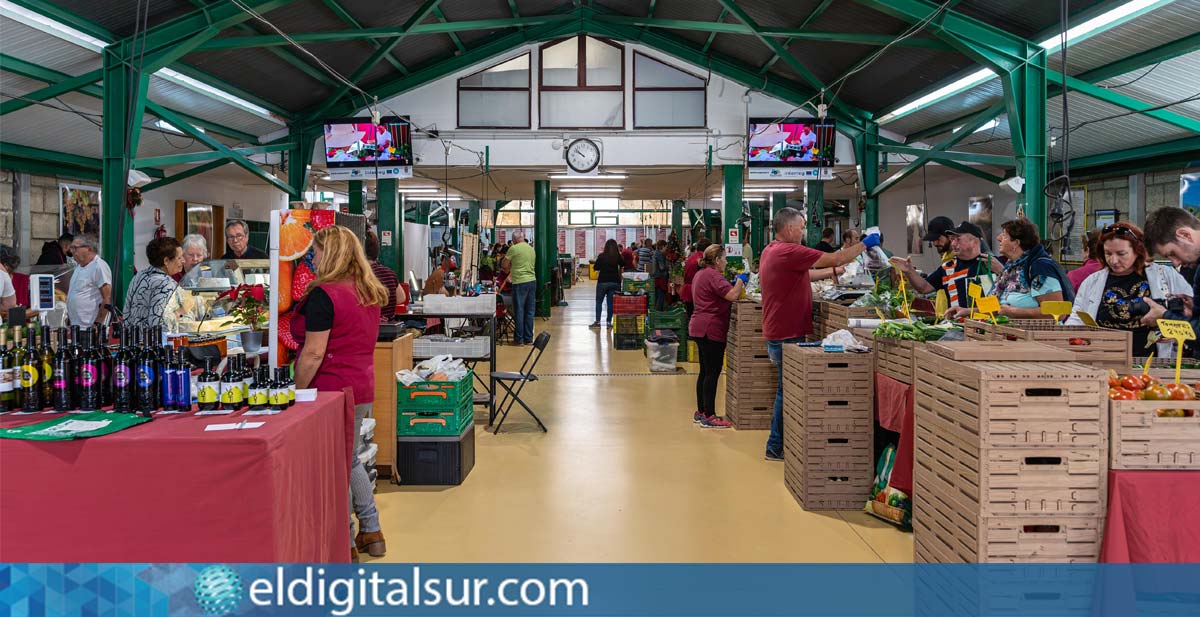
358	142
791	142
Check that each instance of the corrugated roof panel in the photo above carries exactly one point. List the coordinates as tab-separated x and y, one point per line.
975	99
706	10
413	51
121	18
473	11
854	17
898	73
1024	18
738	47
1172	80
177	97
1167	23
262	73
1113	129
625	7
779	14
14	85
33	45
828	61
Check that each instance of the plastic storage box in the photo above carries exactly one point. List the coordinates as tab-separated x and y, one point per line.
435	461
662	356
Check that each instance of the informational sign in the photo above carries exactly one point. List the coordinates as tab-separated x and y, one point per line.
733	250
386	238
790	173
734	236
370	173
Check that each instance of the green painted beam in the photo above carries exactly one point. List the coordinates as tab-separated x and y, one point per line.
984	43
732	192
196	157
179	50
974	171
421	13
437	28
67	17
293	59
792	33
545	246
185	174
42	168
353	22
236	158
774	46
1125	102
968	128
164	38
712	35
812	16
441	17
868	168
55	157
946	155
121	81
1166	51
58	89
1179	146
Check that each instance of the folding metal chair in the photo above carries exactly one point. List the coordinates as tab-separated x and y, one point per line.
524	375
506	327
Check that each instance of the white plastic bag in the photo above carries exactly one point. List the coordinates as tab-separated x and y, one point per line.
845	339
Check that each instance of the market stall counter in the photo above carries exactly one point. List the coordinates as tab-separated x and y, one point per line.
174	490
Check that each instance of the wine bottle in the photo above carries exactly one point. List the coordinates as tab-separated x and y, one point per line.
208	387
291	385
260	389
106	366
47	363
279	393
168	381
7	396
76	369
146	376
231	386
183	383
247	375
31	369
124	365
61	376
89	371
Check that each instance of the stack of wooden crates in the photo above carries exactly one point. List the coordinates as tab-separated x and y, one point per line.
1100	347
1010	454
751	381
828	428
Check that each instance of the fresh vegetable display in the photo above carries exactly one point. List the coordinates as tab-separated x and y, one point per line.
1149	388
913	330
886	299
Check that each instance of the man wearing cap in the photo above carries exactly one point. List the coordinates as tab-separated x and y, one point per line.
937	234
953	276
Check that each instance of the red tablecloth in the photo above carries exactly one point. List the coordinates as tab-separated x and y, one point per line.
894	410
1150	517
168	491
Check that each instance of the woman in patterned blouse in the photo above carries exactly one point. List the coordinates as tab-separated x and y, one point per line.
154	298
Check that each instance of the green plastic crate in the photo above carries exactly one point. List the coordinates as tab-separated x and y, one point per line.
435	395
632	286
434	423
671	319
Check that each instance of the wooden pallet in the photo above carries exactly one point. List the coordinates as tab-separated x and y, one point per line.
1100	347
1014	404
1142	440
894	358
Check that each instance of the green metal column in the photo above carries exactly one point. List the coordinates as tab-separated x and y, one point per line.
299	158
423	212
473	217
731	204
390	204
116	224
554	227
1025	99
758	226
778	202
868	165
357	196
814	200
677	207
544	249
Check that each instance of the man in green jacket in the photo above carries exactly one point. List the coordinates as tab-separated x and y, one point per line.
524	288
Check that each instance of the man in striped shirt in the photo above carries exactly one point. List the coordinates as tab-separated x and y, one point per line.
384	274
644	254
953	276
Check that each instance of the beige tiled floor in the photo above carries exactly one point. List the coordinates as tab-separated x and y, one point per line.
622	476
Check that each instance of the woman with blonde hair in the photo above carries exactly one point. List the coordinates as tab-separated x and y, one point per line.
336	324
712	297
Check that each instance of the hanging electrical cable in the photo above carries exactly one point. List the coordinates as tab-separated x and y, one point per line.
1061	215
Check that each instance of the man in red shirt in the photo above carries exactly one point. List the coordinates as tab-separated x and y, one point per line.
785	279
627	257
690	267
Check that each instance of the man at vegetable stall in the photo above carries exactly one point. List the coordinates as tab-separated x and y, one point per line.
938	235
968	266
785	273
1174	234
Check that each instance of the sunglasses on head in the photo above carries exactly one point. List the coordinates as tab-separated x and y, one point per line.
1119	230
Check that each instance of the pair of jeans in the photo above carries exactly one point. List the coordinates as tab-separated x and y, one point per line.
362	497
604	294
660	299
524	301
712	355
775	353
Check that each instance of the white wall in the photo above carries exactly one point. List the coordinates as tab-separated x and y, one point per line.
255	199
948	197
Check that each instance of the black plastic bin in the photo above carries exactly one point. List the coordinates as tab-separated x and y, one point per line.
436	461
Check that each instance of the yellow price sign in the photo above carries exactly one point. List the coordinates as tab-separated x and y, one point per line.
989	305
1056	308
1087	319
1180	331
974	290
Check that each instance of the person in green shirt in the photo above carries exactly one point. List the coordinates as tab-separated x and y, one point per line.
524	288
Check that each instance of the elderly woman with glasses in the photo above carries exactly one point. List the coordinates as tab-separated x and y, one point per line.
1129	293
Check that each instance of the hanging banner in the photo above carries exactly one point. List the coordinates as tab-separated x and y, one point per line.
562	241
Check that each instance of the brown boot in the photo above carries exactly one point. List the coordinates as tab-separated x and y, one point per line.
353	555
371	543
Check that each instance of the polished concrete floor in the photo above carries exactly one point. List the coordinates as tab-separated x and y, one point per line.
623	475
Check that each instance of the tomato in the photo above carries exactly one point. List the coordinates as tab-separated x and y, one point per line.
1121	394
1181	392
1156	392
1114	380
1132	382
1078	341
1149	379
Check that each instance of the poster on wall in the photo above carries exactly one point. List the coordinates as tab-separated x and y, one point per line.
914	221
581	243
1189	192
79	209
979	212
562	241
292	271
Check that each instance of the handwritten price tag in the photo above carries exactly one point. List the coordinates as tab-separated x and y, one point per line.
974	290
1180	331
989	305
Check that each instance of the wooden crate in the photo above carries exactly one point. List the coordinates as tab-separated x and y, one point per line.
827	477
816	371
1164	369
838	316
748	415
1142	440
1013	404
894	358
829	490
1007	540
1100	347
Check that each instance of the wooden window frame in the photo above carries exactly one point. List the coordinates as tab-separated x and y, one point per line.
528	90
580	80
702	89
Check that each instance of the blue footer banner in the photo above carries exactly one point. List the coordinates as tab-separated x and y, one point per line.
147	590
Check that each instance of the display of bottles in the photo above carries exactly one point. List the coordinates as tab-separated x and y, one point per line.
183	383
124	365
278	397
8	397
47	363
208	388
61	378
90	398
31	372
231	386
146	377
260	389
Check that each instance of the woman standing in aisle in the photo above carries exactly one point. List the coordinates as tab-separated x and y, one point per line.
336	324
1128	293
712	297
608	279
